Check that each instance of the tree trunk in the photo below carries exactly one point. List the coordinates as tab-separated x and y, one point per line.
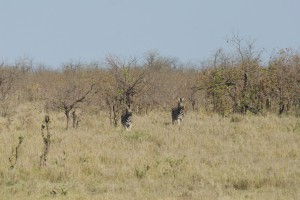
281	102
244	92
281	108
67	113
75	119
115	115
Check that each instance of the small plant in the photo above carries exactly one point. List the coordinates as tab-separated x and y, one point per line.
47	141
296	128
61	160
236	118
15	154
173	166
241	184
141	173
84	158
59	191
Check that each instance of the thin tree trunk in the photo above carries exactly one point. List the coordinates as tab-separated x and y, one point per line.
67	113
115	117
75	119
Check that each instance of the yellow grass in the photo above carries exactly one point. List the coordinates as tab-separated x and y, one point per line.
208	157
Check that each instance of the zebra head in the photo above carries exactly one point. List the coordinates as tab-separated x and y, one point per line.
180	103
128	109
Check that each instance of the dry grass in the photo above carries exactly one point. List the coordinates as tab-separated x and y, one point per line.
209	157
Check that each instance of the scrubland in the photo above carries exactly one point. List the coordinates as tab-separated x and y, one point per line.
207	157
240	138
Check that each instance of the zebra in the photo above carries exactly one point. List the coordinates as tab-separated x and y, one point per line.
178	112
126	118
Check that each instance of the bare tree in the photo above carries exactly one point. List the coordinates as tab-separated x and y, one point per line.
166	81
69	99
128	81
71	92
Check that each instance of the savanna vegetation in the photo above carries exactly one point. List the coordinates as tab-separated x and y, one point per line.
61	138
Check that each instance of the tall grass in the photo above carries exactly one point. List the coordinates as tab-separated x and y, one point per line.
208	157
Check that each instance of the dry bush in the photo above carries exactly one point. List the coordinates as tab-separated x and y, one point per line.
239	83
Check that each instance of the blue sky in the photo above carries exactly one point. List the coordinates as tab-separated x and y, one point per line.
56	31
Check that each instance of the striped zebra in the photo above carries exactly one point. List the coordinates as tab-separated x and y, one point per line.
178	112
126	118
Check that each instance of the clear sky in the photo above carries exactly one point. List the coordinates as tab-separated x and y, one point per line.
57	31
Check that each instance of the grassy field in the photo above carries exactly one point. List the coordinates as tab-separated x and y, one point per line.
208	157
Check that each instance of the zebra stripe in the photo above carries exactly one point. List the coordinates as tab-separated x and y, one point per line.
126	119
178	112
